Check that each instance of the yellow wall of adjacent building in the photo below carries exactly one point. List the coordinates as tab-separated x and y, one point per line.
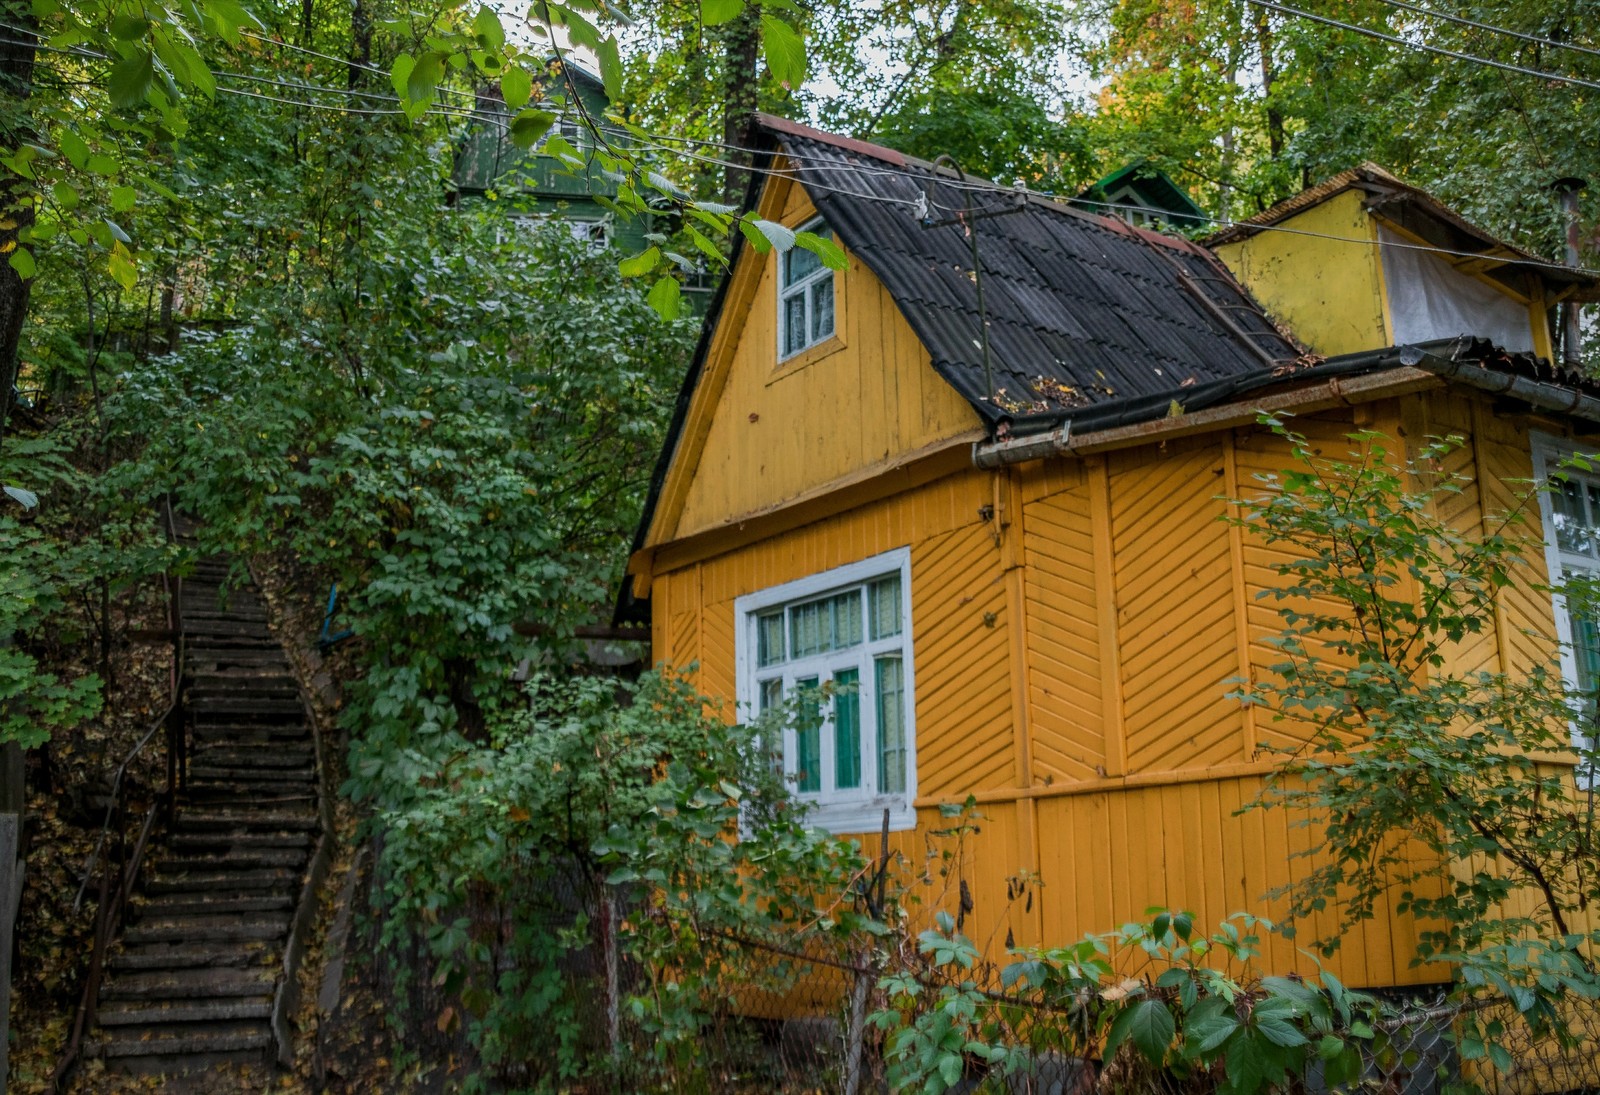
1073	653
866	396
1311	279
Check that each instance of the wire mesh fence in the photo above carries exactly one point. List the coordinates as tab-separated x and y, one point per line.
818	1013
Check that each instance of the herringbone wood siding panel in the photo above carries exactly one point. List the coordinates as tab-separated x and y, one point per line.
778	431
1063	641
963	670
1175	604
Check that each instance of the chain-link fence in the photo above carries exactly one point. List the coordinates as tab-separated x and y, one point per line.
812	1012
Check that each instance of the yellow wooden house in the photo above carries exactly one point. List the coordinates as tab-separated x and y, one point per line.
992	503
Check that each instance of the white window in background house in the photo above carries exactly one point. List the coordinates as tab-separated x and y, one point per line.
854	754
805	297
1571	514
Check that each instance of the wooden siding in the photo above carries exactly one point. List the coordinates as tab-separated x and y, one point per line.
1083	701
855	401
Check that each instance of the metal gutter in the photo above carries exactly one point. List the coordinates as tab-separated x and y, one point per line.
1359	378
1538	393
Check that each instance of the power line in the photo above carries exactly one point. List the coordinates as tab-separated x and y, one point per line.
916	177
1576	81
1507	31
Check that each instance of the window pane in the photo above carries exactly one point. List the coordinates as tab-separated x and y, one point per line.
769	639
822	309
883	606
794	322
847	730
808	738
1573	532
889	674
808	629
772	696
846	620
797	263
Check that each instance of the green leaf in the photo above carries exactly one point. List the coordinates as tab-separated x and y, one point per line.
22	262
1151	1027
424	77
666	298
74	148
638	265
127	27
780	237
785	52
131	78
832	256
1278	1031
123	198
123	268
516	85
605	52
530	125
714	13
26	498
486	25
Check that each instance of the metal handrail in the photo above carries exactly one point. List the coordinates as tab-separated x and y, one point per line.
114	895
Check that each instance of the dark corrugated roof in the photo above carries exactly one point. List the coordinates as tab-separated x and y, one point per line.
1084	312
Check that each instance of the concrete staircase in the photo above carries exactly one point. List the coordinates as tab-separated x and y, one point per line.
199	968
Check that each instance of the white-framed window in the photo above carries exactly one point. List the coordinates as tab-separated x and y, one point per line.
1570	511
596	235
843	638
805	297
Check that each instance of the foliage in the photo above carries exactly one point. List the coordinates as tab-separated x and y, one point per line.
1424	778
1151	999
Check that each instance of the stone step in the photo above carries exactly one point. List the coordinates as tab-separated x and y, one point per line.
208	929
187	1040
244	859
233	733
205	655
259	755
246	820
278	879
208	840
246	709
191	984
204	955
278	796
263	775
220	1010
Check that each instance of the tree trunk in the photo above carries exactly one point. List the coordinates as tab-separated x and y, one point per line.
16	197
1269	76
360	43
741	88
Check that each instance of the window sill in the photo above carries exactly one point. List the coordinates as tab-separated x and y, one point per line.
809	356
863	815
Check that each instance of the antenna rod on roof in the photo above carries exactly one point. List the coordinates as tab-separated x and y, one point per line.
968	218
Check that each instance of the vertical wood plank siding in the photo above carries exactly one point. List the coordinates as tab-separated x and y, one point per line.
845	405
1140	603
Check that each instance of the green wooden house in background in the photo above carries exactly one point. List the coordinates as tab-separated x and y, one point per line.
536	185
1142	195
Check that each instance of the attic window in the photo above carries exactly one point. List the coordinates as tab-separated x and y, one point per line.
805	298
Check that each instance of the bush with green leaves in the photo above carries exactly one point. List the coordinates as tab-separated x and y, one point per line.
1157	1002
1449	786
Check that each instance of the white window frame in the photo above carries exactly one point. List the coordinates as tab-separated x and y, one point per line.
804	287
851	810
1548	454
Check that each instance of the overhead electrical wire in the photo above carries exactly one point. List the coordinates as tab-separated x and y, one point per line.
1393	39
1460	20
886	170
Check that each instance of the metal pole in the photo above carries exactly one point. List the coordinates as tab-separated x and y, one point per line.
1571	335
